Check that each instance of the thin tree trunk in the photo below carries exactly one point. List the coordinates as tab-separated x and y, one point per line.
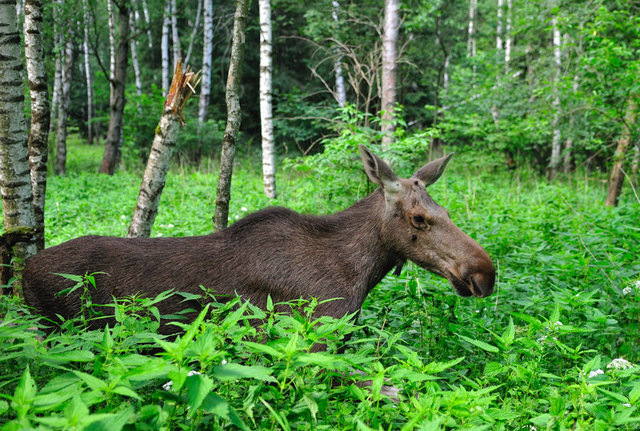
112	41
223	195
508	39
554	162
617	175
34	53
499	26
193	32
87	71
341	93
635	163
177	48
145	11
15	184
568	144
116	98
57	76
205	89
266	108
389	69
134	57
153	181
63	106
164	47
471	36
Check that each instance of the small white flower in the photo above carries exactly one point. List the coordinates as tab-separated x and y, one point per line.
167	386
123	216
237	217
224	362
626	404
627	290
638	284
619	364
191	373
244	209
595	373
557	324
159	234
541	339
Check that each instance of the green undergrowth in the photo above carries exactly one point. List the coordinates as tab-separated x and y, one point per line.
557	346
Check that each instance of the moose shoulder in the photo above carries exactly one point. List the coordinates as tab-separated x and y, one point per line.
278	252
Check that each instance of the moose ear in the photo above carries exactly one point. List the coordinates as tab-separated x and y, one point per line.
430	172
379	171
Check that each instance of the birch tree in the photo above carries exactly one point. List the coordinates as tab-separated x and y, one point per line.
87	71
182	86
34	54
63	106
266	107
134	56
554	162
15	184
164	47
207	53
223	195
194	31
341	93
389	68
629	127
471	36
175	36
116	97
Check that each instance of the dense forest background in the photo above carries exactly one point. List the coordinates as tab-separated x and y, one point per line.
547	83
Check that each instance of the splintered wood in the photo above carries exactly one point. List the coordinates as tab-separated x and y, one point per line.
182	87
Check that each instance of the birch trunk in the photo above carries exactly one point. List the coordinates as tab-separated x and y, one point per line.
175	37
15	184
63	106
87	72
389	69
116	98
635	163
164	47
153	181
34	53
508	39
554	162
57	76
205	89
471	40
112	42
145	12
341	92
134	57
223	195
193	32
266	107
617	174
499	26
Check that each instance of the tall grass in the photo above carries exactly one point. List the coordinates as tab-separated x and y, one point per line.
555	347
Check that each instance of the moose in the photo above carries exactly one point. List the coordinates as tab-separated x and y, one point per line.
277	252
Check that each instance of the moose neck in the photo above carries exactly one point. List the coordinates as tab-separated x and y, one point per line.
358	228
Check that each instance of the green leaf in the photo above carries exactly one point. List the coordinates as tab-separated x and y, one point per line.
481	344
111	422
509	334
24	394
92	382
127	392
264	348
198	387
233	371
69	356
613	395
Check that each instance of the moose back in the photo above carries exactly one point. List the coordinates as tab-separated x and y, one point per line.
277	252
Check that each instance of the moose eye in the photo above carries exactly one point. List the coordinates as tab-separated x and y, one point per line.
418	220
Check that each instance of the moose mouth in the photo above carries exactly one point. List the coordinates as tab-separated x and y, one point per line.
464	287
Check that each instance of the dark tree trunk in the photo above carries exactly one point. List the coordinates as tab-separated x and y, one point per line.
116	99
223	195
617	174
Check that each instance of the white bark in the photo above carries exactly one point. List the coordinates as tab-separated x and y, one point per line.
389	68
499	26
341	92
112	40
508	38
57	76
160	156
164	47
87	72
471	41
266	108
193	32
15	184
554	162
205	89
63	106
134	57
175	37
145	11
38	136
